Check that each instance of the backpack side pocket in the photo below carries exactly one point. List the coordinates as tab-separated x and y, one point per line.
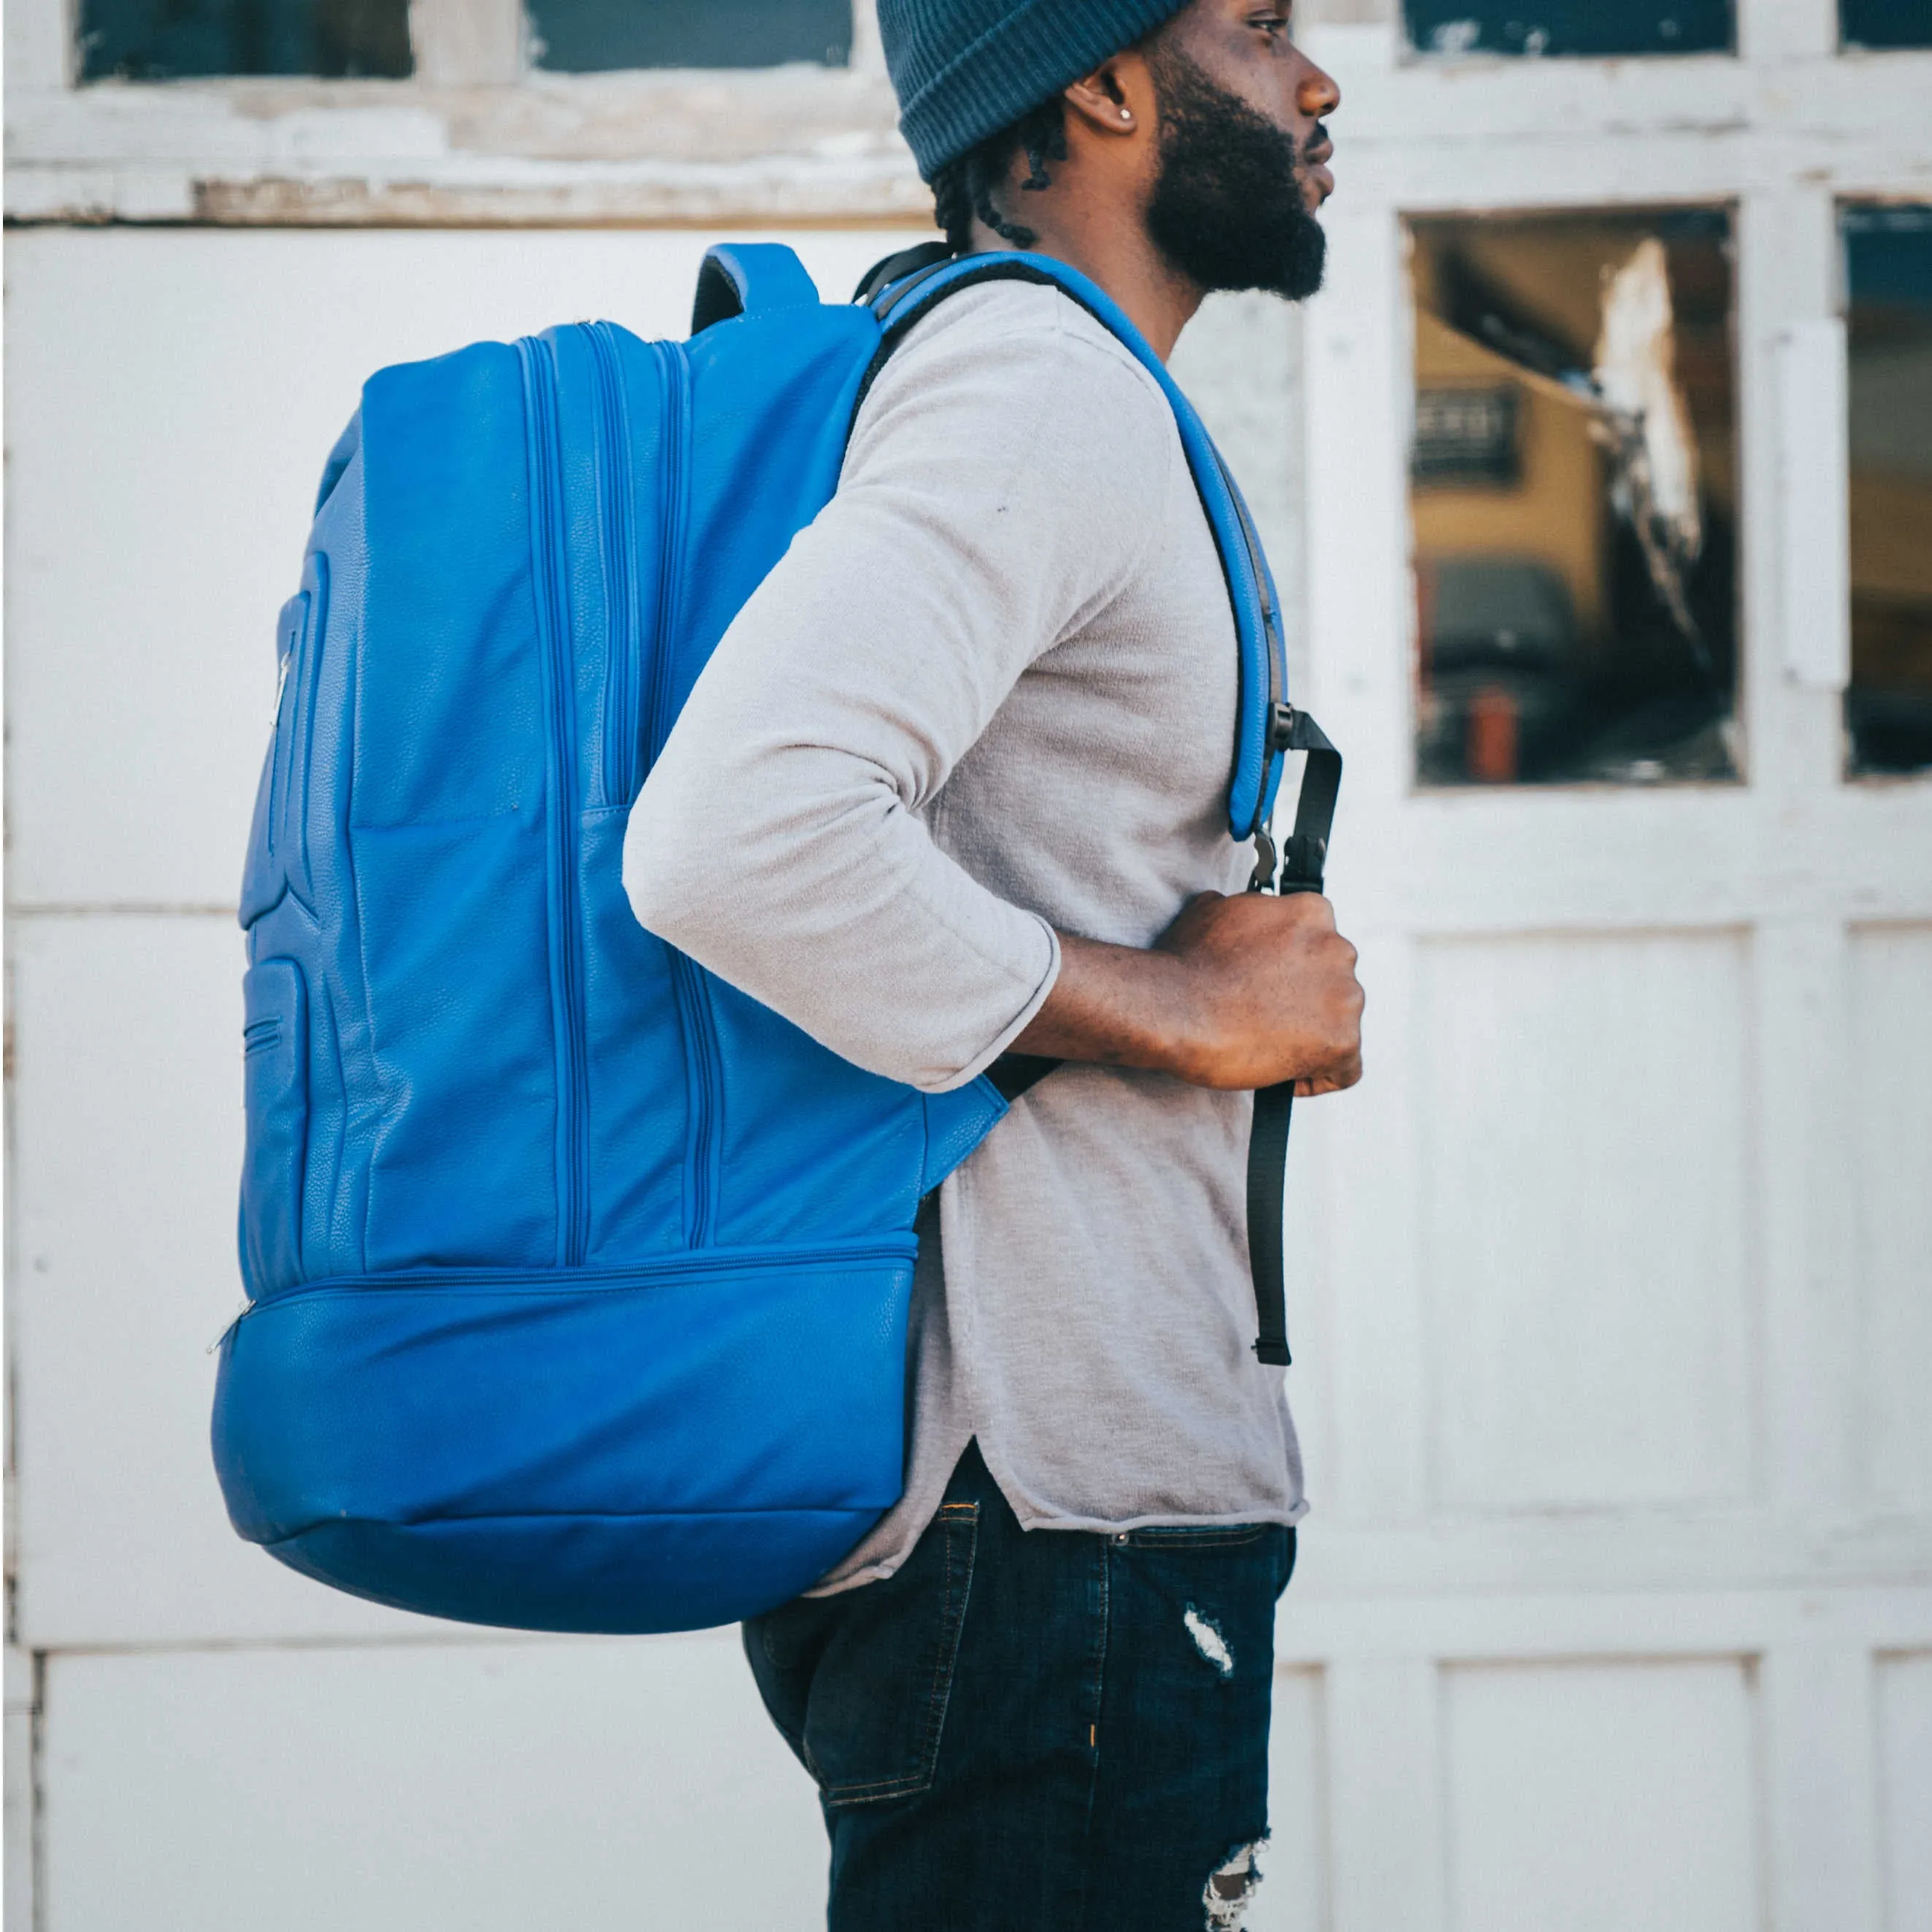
275	1060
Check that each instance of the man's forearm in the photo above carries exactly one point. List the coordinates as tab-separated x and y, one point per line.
1124	1006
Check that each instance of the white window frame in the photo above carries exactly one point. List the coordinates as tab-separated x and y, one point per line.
1782	133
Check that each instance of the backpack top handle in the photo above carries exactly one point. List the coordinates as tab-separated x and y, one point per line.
747	278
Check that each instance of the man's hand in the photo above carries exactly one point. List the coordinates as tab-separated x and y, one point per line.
1242	992
1276	995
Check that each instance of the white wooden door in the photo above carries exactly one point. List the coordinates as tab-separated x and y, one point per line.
1613	1610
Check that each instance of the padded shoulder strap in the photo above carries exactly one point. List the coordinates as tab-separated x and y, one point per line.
1269	727
895	267
1256	765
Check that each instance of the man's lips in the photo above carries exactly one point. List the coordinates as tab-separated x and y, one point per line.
1317	157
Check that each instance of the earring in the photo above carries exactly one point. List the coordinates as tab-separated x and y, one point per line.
1125	115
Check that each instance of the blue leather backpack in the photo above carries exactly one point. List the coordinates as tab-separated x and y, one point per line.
578	1280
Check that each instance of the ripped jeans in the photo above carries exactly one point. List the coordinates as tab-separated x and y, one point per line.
1037	1732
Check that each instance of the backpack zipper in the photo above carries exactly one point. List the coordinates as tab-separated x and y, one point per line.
694	1003
673	380
663	1270
704	1077
275	799
620	588
552	572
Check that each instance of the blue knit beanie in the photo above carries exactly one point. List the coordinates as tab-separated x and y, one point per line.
965	69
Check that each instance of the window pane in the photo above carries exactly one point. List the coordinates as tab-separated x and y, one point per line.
1886	23
1888	273
588	36
1572	26
167	40
1573	497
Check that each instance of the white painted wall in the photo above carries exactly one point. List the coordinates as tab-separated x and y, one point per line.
1616	1610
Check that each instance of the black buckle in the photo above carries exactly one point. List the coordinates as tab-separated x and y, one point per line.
1305	858
1281	726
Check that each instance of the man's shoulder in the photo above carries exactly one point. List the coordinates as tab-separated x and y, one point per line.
1017	423
1031	334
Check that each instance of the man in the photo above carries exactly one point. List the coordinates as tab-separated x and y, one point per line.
954	784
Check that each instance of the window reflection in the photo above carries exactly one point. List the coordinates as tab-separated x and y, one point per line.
591	36
1572	26
1888	278
1573	498
1886	23
169	40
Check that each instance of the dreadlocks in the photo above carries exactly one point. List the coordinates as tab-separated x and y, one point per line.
964	186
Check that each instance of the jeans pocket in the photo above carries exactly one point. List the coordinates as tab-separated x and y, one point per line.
877	1704
782	1647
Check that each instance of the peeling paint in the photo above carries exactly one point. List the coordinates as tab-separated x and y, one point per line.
475	138
1209	1641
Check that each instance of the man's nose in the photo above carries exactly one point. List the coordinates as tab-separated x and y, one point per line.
1316	93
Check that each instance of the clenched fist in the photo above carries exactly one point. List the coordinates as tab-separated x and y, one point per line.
1274	995
1239	992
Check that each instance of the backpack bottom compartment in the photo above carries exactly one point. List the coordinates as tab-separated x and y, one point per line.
619	1576
663	1448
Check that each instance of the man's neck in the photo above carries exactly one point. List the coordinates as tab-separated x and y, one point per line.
1158	300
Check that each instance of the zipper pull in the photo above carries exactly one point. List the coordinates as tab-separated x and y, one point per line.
234	1323
1265	861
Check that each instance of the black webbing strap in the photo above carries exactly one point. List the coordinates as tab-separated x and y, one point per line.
1303	859
1267	1189
881	275
1013	1073
1305	855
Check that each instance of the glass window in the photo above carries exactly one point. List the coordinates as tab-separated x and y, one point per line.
1573	26
589	36
1888	278
1886	23
169	40
1573	498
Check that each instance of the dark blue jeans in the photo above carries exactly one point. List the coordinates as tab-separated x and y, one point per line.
1055	1730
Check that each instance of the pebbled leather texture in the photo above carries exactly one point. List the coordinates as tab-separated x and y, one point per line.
742	1386
580	1280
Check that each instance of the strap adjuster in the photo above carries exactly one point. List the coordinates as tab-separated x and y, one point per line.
1303	863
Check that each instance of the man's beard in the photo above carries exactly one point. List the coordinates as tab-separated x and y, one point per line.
1227	210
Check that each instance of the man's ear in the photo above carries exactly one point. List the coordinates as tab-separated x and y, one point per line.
1117	98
